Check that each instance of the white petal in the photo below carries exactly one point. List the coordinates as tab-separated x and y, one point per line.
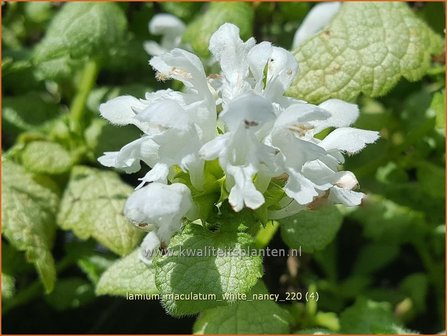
159	204
165	114
153	48
149	247
231	52
127	159
300	188
345	180
300	113
213	148
158	173
183	66
195	167
350	140
347	197
162	24
319	17
281	70
108	159
296	151
121	110
178	146
289	210
319	173
249	110
258	56
244	191
342	114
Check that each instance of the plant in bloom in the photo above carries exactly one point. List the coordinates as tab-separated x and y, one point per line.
242	120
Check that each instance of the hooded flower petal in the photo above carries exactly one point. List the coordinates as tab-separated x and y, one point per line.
165	114
183	66
273	69
170	28
160	205
347	197
231	52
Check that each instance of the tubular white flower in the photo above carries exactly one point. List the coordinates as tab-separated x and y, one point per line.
159	207
171	30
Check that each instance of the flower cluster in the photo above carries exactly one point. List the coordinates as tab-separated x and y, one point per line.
241	118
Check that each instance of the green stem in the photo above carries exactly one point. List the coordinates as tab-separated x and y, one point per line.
77	109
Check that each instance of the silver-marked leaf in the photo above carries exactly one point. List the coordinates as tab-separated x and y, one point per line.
28	214
46	157
127	276
366	49
92	206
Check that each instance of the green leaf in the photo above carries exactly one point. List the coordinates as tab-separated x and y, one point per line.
13	261
199	32
80	30
92	206
190	266
8	286
83	30
312	230
71	293
127	276
27	112
39	12
366	49
432	179
57	69
94	265
28	209
386	221
245	317
46	157
368	317
375	256
183	10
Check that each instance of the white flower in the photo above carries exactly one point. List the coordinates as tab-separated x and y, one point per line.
259	134
158	208
176	124
171	30
319	17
